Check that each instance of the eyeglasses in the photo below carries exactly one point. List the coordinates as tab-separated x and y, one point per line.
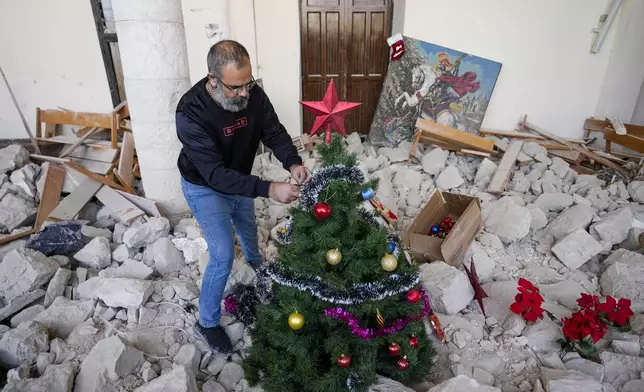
238	89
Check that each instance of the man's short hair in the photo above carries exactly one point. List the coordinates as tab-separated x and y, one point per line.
226	52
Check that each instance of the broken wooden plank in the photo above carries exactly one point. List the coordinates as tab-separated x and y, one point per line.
80	141
503	146
150	207
502	174
554	146
92	175
120	207
14	237
128	188
582	169
474	152
94	153
83	119
521	135
567	155
630	141
454	136
101	168
51	193
526	125
438	143
69	207
64	139
594	125
126	161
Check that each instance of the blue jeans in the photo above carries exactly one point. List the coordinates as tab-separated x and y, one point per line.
217	214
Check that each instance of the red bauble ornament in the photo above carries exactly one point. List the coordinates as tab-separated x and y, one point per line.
344	361
413	296
394	350
321	210
413	341
403	363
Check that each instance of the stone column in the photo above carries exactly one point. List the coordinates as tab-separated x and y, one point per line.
153	52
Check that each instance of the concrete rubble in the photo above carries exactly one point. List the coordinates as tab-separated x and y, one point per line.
90	305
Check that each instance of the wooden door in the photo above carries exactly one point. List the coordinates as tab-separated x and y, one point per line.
345	40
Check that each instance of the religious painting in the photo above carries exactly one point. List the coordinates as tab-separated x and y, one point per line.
437	83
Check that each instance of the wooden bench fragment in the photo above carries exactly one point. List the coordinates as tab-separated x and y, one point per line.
119	205
502	174
71	205
454	136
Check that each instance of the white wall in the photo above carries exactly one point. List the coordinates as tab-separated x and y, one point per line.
50	54
270	30
623	78
638	114
548	71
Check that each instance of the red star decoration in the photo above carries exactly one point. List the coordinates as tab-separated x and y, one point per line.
479	293
329	112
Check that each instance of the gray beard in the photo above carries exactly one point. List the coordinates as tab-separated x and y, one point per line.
234	104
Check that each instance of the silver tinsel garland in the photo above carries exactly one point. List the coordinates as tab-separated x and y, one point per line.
357	294
320	179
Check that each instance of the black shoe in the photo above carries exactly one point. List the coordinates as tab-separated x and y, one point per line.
216	338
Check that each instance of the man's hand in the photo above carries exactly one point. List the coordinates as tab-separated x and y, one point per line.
300	174
283	192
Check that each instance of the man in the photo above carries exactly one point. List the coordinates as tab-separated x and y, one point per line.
220	122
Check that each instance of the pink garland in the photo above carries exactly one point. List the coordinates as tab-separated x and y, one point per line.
369	333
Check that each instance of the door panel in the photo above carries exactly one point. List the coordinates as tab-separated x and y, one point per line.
345	40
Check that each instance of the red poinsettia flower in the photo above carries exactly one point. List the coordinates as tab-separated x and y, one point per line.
618	312
588	301
518	308
526	285
533	314
584	323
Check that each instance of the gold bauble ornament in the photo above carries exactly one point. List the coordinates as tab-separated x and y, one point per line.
333	256
296	321
389	262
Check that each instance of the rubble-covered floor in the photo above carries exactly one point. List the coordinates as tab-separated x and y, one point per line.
118	314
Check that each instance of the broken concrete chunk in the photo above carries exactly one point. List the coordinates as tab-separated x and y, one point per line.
571	219
576	248
542	336
636	190
91	231
462	383
614	226
192	249
508	220
620	368
449	178
190	356
109	360
408	178
122	253
27	314
553	201
539	218
484	174
13	157
230	375
556	380
56	378
24	270
123	292
186	290
64	315
434	161
147	233
532	149
57	285
167	258
26	178
133	269
97	254
180	379
626	348
16	210
625	280
22	345
449	288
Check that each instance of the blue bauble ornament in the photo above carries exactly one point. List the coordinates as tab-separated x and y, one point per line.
391	247
435	229
367	194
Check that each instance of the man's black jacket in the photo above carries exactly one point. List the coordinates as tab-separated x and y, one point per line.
219	146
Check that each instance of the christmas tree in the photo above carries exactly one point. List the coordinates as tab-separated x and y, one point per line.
346	304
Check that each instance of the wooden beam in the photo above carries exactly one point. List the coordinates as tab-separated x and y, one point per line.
474	152
11	238
51	193
503	146
92	175
553	146
454	136
83	119
120	206
438	143
62	139
126	161
568	155
502	174
630	141
520	135
80	141
594	125
102	168
526	125
94	153
69	207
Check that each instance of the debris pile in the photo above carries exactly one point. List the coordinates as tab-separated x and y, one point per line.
106	298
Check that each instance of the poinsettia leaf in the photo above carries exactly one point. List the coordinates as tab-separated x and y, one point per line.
588	349
625	328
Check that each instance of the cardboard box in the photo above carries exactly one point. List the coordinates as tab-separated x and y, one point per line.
465	210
